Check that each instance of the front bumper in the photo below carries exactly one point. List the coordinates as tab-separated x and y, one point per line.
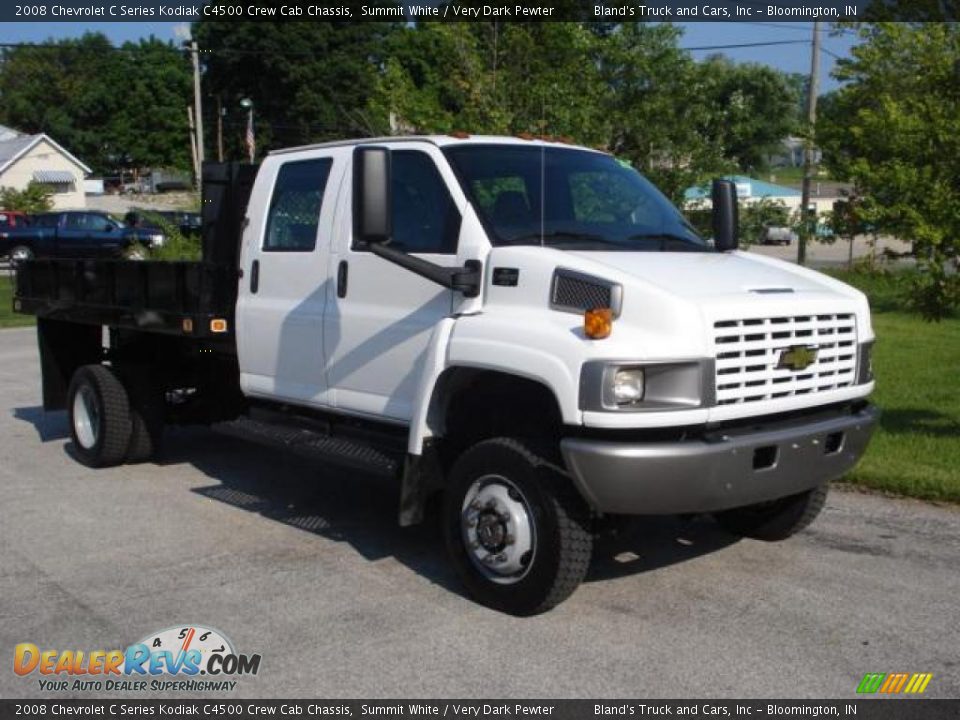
721	470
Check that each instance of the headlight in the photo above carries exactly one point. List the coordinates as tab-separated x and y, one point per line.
608	385
628	386
157	239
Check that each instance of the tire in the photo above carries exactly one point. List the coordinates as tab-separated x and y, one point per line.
147	415
100	422
19	254
517	531
775	520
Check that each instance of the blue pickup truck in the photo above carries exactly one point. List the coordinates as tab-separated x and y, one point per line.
77	234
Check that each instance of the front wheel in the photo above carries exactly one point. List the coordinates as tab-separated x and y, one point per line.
777	519
517	531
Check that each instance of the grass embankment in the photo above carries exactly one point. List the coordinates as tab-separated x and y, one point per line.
916	449
8	318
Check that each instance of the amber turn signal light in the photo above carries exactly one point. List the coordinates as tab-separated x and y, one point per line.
598	323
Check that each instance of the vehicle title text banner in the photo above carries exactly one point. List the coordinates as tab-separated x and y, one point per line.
214	707
461	11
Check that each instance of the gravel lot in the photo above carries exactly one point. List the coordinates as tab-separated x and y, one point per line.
306	566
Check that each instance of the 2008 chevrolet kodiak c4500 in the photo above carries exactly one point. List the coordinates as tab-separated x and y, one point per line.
527	327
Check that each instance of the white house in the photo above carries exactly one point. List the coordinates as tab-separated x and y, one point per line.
38	158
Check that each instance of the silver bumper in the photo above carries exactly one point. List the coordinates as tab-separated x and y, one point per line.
726	470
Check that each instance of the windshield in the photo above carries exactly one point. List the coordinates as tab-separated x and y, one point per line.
571	199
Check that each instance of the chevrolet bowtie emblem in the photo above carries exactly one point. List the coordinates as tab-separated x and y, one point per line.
797	358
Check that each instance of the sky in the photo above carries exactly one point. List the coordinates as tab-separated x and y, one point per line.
789	58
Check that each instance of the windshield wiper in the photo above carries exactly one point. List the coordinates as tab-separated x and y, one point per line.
561	236
667	237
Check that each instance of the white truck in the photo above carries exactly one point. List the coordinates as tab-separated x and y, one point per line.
529	328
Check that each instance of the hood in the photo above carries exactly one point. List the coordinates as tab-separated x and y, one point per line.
700	275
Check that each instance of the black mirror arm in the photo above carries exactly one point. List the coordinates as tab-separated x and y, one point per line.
464	279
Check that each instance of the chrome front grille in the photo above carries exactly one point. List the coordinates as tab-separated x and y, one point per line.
749	351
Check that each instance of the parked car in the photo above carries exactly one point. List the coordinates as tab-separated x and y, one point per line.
76	233
190	224
477	317
777	235
13	218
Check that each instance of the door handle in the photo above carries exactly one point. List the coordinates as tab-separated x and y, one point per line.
342	279
255	277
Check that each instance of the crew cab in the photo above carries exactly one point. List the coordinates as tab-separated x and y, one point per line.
76	233
527	327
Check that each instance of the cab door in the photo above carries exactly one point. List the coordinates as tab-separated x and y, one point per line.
380	316
283	290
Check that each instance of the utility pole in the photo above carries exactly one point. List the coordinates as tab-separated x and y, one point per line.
193	145
808	164
219	130
197	106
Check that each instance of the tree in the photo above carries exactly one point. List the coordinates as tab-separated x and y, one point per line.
34	198
655	109
309	81
893	129
755	106
111	107
493	77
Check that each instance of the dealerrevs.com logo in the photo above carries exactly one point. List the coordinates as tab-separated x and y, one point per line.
190	658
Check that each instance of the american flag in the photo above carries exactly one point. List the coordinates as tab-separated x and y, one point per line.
249	138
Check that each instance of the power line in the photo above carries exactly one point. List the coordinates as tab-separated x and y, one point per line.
746	45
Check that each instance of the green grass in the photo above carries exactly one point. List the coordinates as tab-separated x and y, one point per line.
7	317
916	449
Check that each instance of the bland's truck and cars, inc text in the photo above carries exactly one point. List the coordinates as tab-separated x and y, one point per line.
528	328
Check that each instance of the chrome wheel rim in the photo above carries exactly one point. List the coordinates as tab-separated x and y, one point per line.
20	254
498	529
86	417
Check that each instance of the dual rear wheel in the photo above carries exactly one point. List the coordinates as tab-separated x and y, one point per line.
114	419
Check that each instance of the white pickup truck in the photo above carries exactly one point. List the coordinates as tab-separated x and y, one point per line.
528	327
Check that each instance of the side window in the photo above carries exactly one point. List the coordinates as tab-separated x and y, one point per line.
425	220
295	206
98	223
46	220
76	221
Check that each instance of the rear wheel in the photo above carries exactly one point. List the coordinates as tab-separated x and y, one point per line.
147	415
777	519
100	423
517	531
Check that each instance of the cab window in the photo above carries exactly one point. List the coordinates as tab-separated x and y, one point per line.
425	219
295	207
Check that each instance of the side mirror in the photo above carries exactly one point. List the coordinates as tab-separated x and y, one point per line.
372	203
726	220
